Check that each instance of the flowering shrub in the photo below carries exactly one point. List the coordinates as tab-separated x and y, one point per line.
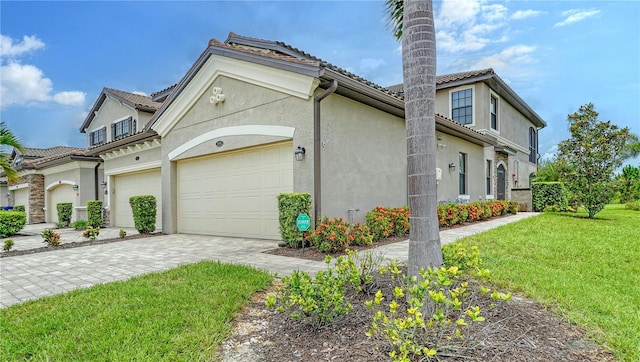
384	222
359	234
330	236
50	237
452	214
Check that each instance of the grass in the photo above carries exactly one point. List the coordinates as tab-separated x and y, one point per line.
180	314
586	269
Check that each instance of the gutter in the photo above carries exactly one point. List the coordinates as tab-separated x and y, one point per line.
317	169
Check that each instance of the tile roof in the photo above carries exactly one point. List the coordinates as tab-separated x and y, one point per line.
136	100
283	48
48	152
447	78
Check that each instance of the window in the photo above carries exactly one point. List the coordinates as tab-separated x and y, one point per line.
494	113
123	128
98	137
462	167
488	175
462	106
533	145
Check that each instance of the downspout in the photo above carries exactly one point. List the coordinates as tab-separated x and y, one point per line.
317	169
95	177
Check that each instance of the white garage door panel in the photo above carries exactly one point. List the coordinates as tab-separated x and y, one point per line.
136	184
234	194
62	193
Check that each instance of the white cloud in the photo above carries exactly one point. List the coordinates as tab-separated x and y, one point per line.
514	61
22	84
576	15
465	26
523	14
9	49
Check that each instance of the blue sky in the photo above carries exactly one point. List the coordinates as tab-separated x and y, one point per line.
557	55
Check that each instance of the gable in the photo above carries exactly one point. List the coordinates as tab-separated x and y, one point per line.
198	87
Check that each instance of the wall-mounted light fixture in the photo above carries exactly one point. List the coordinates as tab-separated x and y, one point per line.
299	153
104	183
75	187
452	167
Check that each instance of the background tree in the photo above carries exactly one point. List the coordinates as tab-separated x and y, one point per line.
629	184
412	21
632	147
551	170
7	140
593	152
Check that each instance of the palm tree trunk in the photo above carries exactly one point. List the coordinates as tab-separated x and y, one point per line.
419	73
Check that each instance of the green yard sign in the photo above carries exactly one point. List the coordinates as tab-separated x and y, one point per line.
303	222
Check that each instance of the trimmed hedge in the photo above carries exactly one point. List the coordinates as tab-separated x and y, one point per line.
290	205
549	195
144	213
19	208
456	214
384	222
11	222
94	213
64	213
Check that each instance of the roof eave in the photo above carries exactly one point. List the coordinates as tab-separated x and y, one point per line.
124	142
455	129
66	159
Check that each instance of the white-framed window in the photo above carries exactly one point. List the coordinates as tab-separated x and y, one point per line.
98	137
493	112
462	106
123	128
462	170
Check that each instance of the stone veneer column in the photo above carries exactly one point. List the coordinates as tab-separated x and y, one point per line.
36	198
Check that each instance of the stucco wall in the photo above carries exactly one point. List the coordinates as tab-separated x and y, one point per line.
364	158
80	173
447	151
245	104
111	111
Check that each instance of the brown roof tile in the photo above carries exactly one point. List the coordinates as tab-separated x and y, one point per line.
136	100
48	152
446	78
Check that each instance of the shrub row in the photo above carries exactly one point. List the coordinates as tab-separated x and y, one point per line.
335	235
384	222
453	214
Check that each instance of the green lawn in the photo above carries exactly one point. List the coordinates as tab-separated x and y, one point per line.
180	314
588	270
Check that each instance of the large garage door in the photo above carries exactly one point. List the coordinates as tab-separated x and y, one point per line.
234	193
62	193
21	198
136	184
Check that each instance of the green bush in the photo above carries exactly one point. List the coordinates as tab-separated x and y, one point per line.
384	222
290	205
635	205
331	235
94	213
144	213
11	222
51	237
64	213
19	208
546	194
8	244
80	224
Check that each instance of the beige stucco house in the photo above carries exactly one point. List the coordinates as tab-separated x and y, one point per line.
254	118
49	176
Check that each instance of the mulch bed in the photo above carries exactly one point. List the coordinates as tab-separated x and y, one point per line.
517	330
74	244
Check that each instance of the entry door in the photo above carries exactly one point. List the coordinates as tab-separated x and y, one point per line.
501	183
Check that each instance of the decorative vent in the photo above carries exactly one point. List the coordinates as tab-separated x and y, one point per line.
217	96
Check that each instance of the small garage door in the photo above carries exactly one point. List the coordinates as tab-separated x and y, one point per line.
234	193
62	193
136	184
21	198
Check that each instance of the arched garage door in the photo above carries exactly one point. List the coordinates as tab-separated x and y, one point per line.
62	193
234	193
136	184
